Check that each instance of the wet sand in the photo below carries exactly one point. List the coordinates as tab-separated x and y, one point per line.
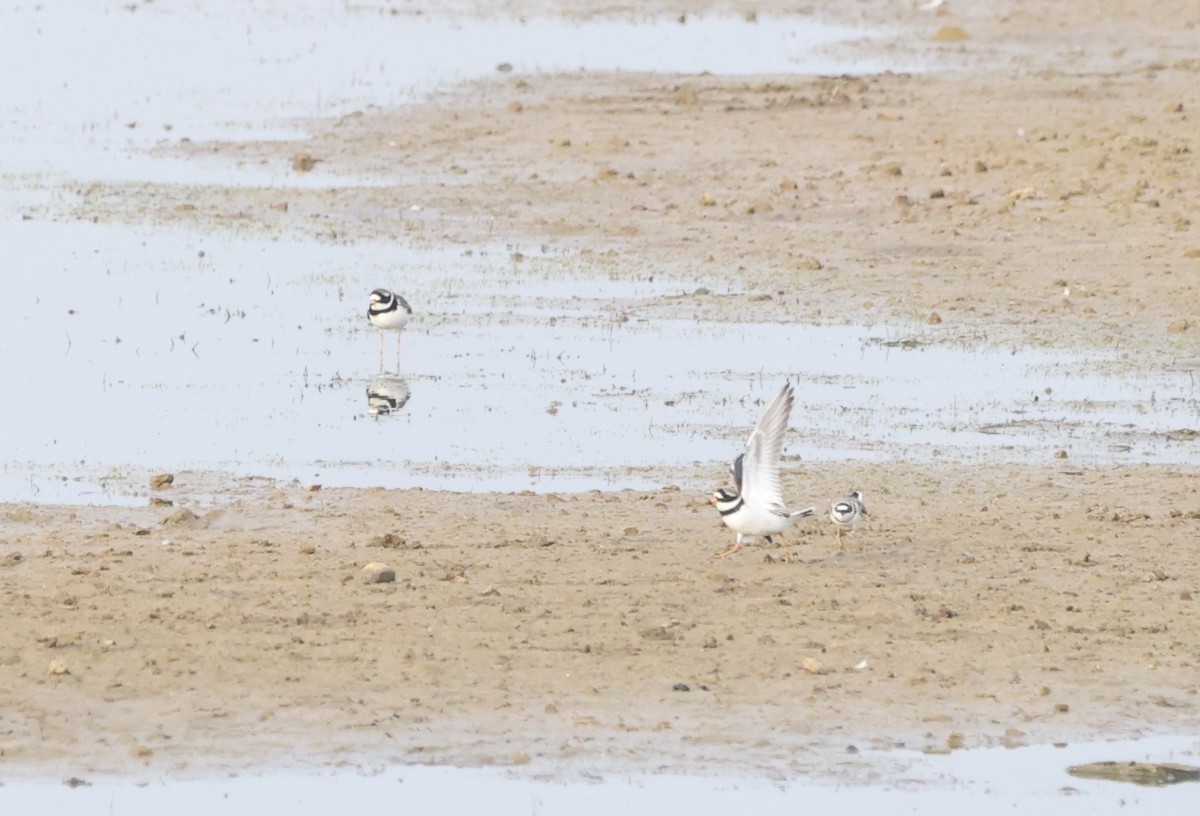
998	604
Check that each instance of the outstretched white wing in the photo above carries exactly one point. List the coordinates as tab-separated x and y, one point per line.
760	468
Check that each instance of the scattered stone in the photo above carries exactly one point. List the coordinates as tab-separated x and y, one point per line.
159	501
1060	454
681	687
504	67
183	517
955	742
937	193
813	666
1179	326
631	531
950	33
378	573
1061	708
933	319
58	668
759	207
161	481
308	549
303	162
1174	107
707	200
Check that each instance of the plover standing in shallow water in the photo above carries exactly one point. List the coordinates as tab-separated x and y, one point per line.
755	506
388	312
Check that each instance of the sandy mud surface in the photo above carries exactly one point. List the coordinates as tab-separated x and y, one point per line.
1005	604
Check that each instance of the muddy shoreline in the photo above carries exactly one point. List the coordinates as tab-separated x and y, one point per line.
541	629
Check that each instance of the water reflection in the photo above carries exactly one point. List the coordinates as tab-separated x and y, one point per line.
524	385
387	393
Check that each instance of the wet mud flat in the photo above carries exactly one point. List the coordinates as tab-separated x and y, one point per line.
527	628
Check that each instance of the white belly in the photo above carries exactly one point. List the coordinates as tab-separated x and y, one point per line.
751	520
390	321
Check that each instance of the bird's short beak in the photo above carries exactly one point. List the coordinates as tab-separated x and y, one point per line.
712	499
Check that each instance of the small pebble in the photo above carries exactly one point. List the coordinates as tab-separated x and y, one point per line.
812	665
302	162
378	573
182	517
161	481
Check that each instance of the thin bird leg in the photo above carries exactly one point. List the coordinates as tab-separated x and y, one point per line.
737	546
787	551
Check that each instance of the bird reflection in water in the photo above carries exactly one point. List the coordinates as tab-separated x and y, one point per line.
386	394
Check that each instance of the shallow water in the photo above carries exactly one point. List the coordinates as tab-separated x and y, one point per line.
99	79
986	781
163	350
126	349
133	349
